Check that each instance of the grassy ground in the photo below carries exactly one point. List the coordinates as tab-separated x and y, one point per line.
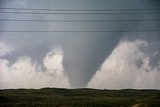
47	97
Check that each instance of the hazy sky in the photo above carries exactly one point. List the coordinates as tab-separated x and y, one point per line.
79	59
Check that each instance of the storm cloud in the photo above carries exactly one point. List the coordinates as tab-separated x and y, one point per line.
77	59
27	74
130	66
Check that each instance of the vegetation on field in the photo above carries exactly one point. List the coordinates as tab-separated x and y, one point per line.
79	97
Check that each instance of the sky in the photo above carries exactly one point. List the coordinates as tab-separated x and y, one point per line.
103	60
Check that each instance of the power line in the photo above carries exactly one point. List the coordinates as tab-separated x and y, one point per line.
44	9
79	13
37	20
65	31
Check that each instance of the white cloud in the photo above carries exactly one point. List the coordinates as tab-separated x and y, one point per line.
128	66
53	62
5	49
26	74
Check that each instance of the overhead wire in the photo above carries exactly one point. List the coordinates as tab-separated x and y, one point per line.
34	31
84	20
79	12
49	9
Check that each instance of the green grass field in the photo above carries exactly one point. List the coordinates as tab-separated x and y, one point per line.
55	97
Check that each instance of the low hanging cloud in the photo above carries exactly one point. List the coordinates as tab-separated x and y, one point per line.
25	73
132	64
